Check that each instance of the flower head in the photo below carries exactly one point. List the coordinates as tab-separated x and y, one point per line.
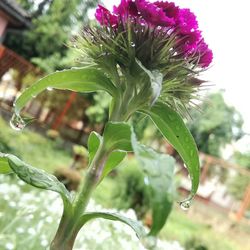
142	37
164	16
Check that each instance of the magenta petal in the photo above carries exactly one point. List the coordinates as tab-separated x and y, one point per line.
187	21
125	8
153	14
205	54
104	17
169	8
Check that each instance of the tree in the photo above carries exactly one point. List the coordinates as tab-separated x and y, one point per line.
243	159
53	22
217	125
239	183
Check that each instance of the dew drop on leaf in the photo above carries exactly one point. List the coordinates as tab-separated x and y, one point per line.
49	88
17	123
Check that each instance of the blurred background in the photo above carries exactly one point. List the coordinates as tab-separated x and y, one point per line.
33	42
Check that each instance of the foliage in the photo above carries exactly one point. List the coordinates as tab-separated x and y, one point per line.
97	112
31	226
217	125
243	159
52	25
130	191
238	184
195	244
184	227
44	209
34	148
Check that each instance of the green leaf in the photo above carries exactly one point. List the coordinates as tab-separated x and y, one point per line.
94	142
158	176
114	159
156	79
117	136
36	177
136	226
4	165
75	79
173	128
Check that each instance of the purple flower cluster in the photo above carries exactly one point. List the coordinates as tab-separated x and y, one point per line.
166	15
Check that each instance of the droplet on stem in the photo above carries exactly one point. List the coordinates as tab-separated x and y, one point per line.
17	123
132	44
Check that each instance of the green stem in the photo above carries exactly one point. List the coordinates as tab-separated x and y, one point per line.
68	228
69	225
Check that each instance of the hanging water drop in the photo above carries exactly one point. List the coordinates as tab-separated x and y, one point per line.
17	123
149	242
49	88
185	205
132	44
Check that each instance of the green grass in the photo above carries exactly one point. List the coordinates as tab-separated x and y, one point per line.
185	226
182	228
34	148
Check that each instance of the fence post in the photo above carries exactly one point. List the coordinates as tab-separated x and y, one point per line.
60	117
244	204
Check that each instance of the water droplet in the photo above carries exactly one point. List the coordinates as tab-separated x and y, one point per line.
3	155
132	44
185	205
49	88
17	123
149	242
33	96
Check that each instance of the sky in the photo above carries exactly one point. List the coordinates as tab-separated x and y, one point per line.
225	26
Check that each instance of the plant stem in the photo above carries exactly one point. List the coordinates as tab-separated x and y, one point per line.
68	228
69	225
